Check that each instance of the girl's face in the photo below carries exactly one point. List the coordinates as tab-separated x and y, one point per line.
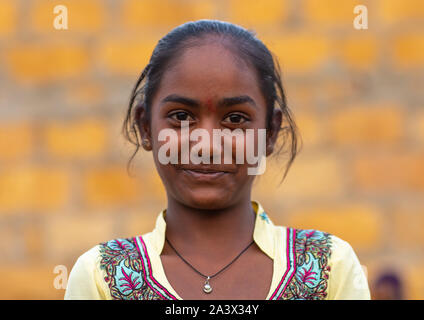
191	90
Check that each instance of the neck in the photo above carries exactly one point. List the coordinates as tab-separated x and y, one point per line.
220	231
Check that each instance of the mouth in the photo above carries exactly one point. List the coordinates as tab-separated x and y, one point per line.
203	174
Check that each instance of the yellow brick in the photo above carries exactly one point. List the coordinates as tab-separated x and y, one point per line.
140	222
414	280
120	147
392	11
110	186
360	51
254	13
86	94
16	140
373	124
70	235
311	128
331	12
418	127
299	96
408	222
33	188
126	56
43	62
358	224
156	188
408	50
337	90
81	139
396	171
169	13
314	176
8	17
33	239
10	244
311	175
84	16
29	282
299	52
142	168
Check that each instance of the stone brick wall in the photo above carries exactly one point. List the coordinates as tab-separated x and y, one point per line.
357	96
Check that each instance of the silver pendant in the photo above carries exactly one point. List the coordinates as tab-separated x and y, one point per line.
207	287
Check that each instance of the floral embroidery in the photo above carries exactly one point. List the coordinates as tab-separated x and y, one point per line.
311	255
124	275
129	273
127	279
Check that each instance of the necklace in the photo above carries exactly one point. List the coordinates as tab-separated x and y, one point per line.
207	288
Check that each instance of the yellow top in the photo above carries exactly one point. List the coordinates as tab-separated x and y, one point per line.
308	264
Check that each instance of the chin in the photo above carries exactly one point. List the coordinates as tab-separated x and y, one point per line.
208	199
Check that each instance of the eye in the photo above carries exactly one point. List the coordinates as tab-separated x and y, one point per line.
236	118
180	116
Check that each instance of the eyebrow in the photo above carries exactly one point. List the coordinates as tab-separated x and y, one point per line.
224	102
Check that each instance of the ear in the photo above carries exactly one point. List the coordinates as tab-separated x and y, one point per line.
273	131
143	126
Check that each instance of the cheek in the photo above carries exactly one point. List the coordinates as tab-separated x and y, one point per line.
248	147
165	148
169	144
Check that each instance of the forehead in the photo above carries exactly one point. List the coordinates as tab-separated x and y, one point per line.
209	70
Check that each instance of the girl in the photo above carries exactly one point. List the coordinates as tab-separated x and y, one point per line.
212	241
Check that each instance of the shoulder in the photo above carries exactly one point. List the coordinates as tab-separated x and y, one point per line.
105	253
314	243
326	266
337	252
311	237
348	278
124	271
94	270
320	243
85	281
332	250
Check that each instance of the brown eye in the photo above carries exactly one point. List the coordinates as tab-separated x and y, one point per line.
180	116
236	118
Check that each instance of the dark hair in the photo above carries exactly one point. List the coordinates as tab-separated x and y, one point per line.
244	44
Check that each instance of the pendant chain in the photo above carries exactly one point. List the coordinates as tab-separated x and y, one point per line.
208	277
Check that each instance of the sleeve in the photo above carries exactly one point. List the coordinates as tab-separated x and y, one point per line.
347	280
85	281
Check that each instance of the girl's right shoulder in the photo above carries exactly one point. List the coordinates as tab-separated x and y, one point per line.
90	276
85	280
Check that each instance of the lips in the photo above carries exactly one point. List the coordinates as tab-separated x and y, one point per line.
204	176
205	173
206	169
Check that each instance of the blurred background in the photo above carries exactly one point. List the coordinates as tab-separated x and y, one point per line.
357	96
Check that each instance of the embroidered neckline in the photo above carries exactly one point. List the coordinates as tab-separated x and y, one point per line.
147	272
129	274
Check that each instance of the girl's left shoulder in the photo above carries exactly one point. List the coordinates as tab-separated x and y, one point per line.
318	241
324	257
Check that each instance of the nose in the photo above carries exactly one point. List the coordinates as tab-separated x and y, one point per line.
206	144
223	145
